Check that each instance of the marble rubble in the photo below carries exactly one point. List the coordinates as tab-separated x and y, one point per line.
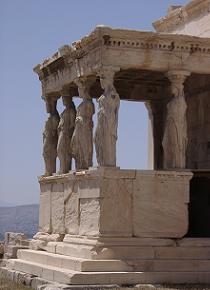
14	242
106	225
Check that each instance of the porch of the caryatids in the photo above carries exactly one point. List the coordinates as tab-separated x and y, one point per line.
65	131
175	131
106	131
50	136
82	139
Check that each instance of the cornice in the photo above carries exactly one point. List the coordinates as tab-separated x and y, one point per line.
66	53
182	15
120	39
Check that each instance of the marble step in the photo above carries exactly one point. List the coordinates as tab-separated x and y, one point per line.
188	251
106	278
72	263
84	265
170	265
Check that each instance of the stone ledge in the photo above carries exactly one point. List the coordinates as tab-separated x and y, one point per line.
141	203
193	242
42	284
112	173
113	241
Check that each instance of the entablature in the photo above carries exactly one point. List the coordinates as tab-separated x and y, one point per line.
124	51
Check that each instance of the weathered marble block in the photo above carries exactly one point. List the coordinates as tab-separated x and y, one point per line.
116	203
160	204
12	243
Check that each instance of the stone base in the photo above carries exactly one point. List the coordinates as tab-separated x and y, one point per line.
41	284
112	202
152	261
110	226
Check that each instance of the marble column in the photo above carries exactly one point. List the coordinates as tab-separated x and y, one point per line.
65	131
50	136
150	145
106	131
156	113
82	139
175	131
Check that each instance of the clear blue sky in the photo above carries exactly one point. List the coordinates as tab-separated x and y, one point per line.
32	30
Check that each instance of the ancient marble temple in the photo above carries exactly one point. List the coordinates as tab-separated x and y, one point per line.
101	224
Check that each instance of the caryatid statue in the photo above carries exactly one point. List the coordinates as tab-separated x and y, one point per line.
106	132
82	139
175	133
50	136
65	132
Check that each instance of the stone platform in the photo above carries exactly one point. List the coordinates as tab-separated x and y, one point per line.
110	226
152	261
111	202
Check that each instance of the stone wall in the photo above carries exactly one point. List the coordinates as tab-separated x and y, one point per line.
116	203
191	19
198	151
199	26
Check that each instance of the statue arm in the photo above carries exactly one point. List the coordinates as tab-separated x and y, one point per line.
43	136
54	127
72	121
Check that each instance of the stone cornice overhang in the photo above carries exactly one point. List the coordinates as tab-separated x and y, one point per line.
182	15
123	49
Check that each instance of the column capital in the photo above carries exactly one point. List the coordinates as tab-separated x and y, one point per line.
83	85
177	75
51	104
65	92
108	71
177	79
51	97
106	75
84	80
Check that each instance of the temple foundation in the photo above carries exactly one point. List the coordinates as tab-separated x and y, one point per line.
140	203
137	240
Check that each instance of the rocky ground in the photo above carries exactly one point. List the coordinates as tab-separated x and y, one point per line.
8	285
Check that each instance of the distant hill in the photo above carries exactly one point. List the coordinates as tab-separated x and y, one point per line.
22	219
5	204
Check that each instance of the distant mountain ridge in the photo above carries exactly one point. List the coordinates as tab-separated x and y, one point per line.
23	219
6	204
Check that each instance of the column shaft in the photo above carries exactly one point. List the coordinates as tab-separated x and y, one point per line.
175	132
106	132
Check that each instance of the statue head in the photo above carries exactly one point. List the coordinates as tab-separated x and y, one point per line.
51	104
81	90
106	82
107	79
67	101
83	86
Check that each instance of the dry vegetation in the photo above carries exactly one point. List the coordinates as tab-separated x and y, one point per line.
8	285
185	287
175	287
